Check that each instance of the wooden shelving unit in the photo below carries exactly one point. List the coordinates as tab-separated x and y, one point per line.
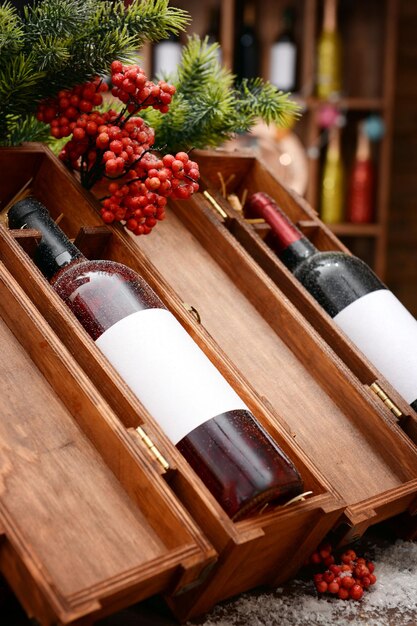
368	31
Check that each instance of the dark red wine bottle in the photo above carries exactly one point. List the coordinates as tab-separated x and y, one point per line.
351	293
192	402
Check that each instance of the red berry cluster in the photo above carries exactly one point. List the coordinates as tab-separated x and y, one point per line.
133	88
63	111
117	146
346	580
140	200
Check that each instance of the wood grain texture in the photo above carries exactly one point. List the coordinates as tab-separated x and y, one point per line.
250	540
87	529
293	386
259	177
294	383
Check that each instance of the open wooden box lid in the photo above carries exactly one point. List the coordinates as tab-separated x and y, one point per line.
87	524
350	451
266	549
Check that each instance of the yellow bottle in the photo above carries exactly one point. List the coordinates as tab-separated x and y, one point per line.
333	184
329	54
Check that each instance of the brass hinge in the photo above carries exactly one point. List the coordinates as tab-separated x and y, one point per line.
152	448
386	400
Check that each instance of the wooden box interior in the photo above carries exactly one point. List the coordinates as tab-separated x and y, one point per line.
246	175
310	393
88	525
249	552
337	421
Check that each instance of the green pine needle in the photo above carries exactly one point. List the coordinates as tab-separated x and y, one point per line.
57	44
208	109
11	31
17	130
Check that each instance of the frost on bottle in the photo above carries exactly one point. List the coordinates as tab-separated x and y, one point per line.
194	405
357	300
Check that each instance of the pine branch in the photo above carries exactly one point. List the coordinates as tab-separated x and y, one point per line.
16	130
11	31
208	109
57	44
259	97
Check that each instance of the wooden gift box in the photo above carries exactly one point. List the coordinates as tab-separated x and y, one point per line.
87	523
247	175
303	393
229	557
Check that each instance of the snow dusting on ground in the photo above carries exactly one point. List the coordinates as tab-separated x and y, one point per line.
391	602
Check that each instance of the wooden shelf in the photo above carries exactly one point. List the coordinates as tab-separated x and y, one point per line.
355	230
368	33
353	104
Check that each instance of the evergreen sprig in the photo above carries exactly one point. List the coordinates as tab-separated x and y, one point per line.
208	108
56	44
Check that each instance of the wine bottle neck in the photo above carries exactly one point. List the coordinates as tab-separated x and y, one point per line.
330	16
363	149
333	149
55	250
249	15
288	241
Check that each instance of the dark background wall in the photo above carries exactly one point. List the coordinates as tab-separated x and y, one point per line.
402	240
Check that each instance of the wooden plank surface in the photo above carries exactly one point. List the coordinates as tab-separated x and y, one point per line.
67	505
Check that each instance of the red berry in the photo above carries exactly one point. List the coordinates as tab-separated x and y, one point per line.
348	556
347	582
91	128
116	146
328	576
365	582
116	66
361	570
346	568
183	156
343	594
333	587
321	586
107	217
86	106
132	224
356	592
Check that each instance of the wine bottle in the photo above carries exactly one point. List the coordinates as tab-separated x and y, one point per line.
351	293
194	405
246	50
361	183
167	56
283	60
332	187
329	54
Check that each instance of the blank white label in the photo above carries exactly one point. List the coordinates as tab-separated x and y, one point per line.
167	57
386	333
168	372
283	60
